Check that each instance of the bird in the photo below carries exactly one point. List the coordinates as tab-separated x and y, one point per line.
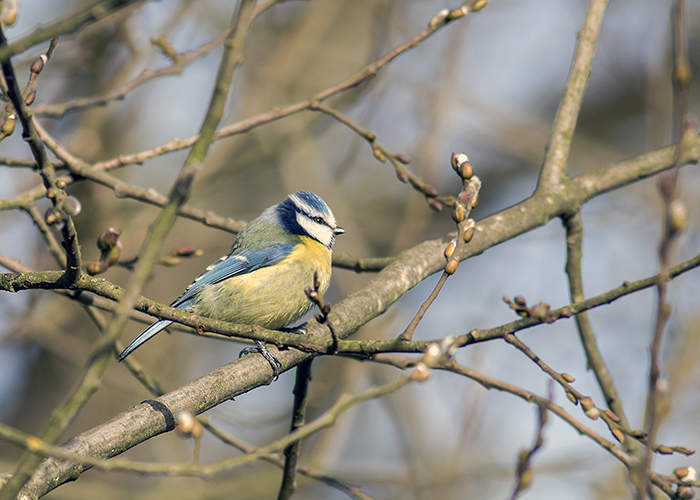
261	280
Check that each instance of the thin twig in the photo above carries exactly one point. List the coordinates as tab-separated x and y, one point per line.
291	452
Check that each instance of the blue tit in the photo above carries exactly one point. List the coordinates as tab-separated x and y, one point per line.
262	279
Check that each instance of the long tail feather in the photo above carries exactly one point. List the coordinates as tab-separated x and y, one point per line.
147	334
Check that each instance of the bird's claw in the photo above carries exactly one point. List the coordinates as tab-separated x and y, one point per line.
269	357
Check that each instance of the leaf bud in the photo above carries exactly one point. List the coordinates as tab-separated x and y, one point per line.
570	396
111	256
9	125
379	155
592	413
457	160
469	231
612	416
438	19
568	378
458	212
94	268
618	434
450	249
451	266
53	216
188	425
31	97
184	251
38	64
401	158
108	239
685	493
170	261
420	373
686	473
587	403
434	204
401	175
432	354
678	216
664	450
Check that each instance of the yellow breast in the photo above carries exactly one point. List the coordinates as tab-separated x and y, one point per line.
271	296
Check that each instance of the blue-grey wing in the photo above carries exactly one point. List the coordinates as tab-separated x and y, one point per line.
224	268
229	266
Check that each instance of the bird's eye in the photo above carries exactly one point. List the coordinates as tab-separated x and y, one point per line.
318	220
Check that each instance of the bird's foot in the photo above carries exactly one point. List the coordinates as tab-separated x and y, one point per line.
260	348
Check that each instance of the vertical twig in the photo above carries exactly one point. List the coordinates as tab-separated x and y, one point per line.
594	358
675	221
291	452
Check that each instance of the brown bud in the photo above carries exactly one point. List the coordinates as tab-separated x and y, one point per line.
678	216
568	378
53	216
402	158
457	159
477	5
420	373
31	97
170	260
685	493
429	190
618	434
379	155
184	251
450	249
94	268
108	239
371	136
612	416
432	354
438	20
402	175
458	212
9	13
570	396
9	126
38	64
60	183
188	425
587	403
456	13
520	300
592	413
451	266
466	171
664	450
111	256
469	233
434	204
681	472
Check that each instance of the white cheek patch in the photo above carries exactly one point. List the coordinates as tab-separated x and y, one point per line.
319	232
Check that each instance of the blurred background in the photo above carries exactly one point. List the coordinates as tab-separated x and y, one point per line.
489	86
